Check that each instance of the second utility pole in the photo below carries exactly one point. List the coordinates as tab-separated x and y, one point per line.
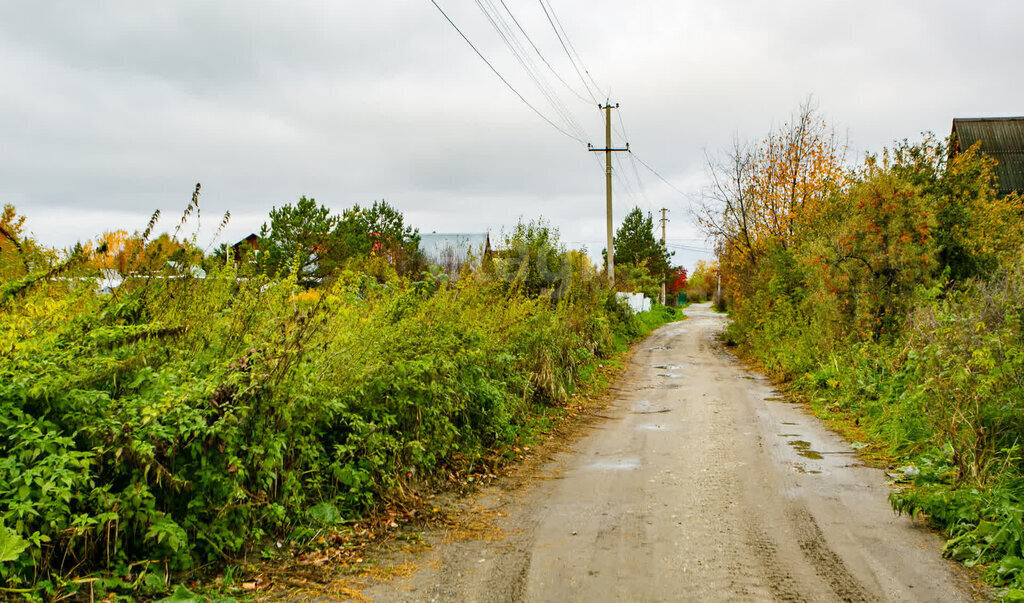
663	220
608	183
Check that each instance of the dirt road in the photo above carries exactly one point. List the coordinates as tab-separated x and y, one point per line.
698	484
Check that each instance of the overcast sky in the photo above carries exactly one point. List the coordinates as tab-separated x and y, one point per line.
110	110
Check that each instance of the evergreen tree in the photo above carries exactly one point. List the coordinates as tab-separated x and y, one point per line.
635	245
298	239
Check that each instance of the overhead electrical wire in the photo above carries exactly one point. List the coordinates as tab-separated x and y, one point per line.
551	9
674	244
632	160
630	193
655	172
566	44
541	55
636	174
502	78
512	42
688	247
572	128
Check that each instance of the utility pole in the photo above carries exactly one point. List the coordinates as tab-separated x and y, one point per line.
661	300
608	150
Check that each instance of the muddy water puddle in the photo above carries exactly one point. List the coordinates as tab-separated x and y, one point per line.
803	448
670	375
801	469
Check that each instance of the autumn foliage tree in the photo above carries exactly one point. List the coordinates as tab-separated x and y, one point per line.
13	252
791	220
765	196
677	284
702	281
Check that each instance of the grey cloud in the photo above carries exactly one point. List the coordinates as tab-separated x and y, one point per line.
120	107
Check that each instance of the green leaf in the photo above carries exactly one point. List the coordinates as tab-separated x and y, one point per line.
325	513
11	545
183	595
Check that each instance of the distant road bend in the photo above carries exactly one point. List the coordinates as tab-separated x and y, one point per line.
698	484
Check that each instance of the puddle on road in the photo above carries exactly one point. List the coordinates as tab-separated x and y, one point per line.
670	386
626	464
789	423
659	347
670	375
668	367
788	435
801	469
803	448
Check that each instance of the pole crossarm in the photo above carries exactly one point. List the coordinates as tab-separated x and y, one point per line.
593	150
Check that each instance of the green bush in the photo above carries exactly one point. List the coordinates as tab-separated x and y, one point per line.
186	421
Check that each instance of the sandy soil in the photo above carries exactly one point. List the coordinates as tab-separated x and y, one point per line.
697	483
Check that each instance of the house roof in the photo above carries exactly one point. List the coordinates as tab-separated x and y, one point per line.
433	244
1002	138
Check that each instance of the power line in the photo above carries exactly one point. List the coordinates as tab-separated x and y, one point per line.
503	80
566	49
655	172
508	36
625	184
634	156
689	248
568	41
541	55
632	161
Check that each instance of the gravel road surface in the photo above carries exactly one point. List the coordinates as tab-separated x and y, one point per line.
697	483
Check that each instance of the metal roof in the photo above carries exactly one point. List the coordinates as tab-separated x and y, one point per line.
1003	139
433	244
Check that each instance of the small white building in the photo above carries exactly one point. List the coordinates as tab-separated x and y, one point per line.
637	302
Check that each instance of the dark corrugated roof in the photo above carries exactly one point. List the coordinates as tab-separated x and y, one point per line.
1003	139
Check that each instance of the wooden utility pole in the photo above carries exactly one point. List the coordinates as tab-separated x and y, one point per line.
607	150
661	300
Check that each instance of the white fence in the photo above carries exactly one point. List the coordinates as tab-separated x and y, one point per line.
636	301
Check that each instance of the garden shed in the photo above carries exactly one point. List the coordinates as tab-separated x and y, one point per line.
1002	138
